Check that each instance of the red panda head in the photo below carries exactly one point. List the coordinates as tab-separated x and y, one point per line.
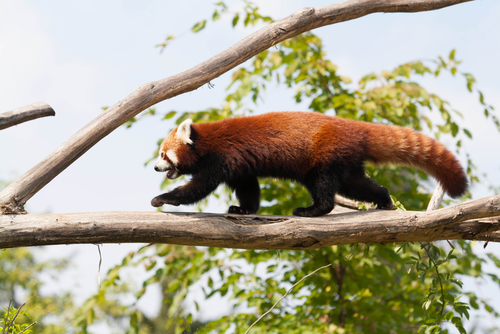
173	150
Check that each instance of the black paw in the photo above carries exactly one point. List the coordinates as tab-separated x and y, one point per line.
302	212
310	212
240	211
160	200
387	206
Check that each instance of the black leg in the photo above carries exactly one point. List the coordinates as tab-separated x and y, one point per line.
193	191
360	187
248	194
322	186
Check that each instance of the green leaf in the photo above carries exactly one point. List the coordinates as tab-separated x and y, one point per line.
170	115
452	55
198	26
454	129
470	81
481	98
216	16
236	18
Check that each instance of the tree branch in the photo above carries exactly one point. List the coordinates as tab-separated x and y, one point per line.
24	114
437	198
13	198
462	221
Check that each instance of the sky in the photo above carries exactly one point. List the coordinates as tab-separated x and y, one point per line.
82	56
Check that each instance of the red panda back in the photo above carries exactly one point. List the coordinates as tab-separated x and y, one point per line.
270	140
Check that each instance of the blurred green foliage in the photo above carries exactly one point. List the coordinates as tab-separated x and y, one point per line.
21	282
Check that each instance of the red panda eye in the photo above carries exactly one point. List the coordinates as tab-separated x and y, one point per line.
162	154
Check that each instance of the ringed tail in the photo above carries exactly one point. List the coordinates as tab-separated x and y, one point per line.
398	145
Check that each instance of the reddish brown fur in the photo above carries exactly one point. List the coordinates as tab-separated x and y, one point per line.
304	140
296	144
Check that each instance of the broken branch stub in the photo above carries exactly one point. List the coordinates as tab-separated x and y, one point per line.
24	114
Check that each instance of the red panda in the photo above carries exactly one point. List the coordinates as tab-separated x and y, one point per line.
324	153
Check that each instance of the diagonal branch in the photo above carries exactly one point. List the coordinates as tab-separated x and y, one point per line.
466	220
13	198
24	114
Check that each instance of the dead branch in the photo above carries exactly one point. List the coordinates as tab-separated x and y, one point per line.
24	114
437	198
13	198
468	220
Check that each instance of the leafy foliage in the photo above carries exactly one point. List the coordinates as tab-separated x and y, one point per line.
20	281
374	288
7	322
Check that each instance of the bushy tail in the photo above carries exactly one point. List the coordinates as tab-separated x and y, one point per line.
404	146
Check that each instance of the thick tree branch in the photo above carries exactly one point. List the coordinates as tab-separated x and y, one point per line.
24	114
13	198
461	221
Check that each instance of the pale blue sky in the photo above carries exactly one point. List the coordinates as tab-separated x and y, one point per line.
81	56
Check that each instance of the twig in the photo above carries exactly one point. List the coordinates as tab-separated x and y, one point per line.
99	269
351	204
303	278
15	316
32	324
309	252
352	252
427	250
7	317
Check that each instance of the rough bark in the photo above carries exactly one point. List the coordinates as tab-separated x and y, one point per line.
461	221
24	114
13	198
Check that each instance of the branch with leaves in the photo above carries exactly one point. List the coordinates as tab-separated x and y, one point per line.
9	318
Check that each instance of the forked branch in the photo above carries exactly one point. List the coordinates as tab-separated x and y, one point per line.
13	198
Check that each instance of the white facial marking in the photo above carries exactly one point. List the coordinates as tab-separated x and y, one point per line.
184	131
173	157
163	165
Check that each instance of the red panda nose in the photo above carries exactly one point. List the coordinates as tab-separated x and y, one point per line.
157	169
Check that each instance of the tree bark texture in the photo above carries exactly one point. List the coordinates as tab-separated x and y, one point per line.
13	198
468	220
24	114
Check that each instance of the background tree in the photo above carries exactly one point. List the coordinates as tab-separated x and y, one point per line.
369	288
21	281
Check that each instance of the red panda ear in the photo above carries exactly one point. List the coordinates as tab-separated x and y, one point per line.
184	131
